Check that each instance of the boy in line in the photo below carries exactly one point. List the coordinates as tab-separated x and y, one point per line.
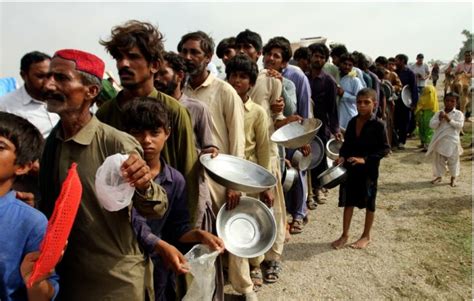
245	274
147	121
365	144
23	227
446	144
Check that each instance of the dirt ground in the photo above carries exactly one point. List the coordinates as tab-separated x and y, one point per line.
421	240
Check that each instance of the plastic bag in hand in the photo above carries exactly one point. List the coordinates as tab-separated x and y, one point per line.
201	262
112	191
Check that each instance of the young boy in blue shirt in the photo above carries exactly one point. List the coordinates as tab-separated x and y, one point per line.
365	144
23	227
146	119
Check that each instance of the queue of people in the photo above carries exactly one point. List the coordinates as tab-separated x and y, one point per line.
171	110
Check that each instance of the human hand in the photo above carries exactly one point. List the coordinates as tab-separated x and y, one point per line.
339	160
339	136
136	172
305	150
356	160
210	150
214	242
232	198
267	197
441	116
26	197
287	163
172	257
340	91
277	106
26	267
274	73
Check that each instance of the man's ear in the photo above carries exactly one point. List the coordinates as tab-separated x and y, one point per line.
92	91
23	75
155	66
23	169
181	75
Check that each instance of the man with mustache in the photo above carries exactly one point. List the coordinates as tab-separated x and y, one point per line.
137	49
103	260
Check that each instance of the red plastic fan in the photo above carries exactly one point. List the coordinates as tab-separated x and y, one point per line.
59	226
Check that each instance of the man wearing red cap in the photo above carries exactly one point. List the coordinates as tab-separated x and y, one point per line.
103	260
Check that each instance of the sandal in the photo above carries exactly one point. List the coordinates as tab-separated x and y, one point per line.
257	280
272	271
297	226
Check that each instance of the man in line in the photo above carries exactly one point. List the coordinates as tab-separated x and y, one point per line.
27	101
422	72
103	260
137	64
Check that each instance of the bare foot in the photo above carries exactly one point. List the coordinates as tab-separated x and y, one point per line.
453	182
340	243
362	243
436	180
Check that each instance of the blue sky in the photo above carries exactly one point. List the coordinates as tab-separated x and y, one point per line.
374	28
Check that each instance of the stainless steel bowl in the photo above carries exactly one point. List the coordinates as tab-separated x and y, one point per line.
296	134
317	152
333	176
332	148
249	230
238	174
289	178
406	96
299	161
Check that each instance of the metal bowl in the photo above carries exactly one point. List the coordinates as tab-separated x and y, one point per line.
317	152
296	134
332	148
248	230
299	161
406	96
238	174
289	178
333	176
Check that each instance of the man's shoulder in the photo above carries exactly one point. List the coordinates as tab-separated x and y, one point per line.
109	133
11	98
26	213
106	109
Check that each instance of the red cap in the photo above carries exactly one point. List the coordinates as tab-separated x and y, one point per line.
85	61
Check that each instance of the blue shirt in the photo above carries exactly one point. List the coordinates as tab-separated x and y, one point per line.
347	103
303	90
22	230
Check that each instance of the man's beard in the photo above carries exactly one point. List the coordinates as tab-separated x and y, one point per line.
167	89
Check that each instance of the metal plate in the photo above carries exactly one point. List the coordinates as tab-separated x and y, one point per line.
332	148
406	96
238	174
249	230
296	134
317	152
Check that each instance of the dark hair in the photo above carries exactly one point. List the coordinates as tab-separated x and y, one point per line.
175	61
224	45
380	72
206	42
452	94
402	57
319	48
302	53
250	37
371	93
32	58
281	43
361	60
25	136
338	50
391	60
145	113
347	57
381	60
139	34
242	63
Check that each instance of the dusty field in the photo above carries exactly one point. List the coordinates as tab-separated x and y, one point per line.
421	240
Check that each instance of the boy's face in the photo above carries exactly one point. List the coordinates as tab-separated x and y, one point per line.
241	82
365	105
152	141
249	50
228	54
274	59
8	168
449	103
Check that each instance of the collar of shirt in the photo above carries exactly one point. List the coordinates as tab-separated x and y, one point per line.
248	105
210	78
85	134
165	174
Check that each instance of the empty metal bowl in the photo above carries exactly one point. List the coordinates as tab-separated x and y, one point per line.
333	176
317	152
299	161
332	148
289	178
406	96
248	230
238	174
296	134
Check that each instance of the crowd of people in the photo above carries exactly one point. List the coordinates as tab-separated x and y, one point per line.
169	110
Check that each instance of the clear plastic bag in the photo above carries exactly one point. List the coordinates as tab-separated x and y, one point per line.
201	262
112	191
